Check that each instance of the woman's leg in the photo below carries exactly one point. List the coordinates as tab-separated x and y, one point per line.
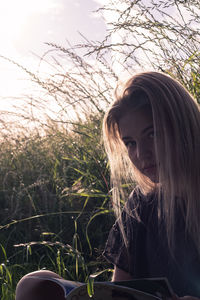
33	286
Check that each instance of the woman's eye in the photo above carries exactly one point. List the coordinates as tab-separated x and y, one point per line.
151	134
130	144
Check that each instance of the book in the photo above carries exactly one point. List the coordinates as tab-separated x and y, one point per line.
138	289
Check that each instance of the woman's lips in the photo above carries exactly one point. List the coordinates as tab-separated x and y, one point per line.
150	169
151	172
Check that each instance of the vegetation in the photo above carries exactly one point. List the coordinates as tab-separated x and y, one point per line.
55	203
153	35
54	189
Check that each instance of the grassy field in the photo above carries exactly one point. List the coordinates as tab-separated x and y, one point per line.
54	176
55	208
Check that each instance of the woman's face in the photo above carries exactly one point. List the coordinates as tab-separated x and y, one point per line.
137	133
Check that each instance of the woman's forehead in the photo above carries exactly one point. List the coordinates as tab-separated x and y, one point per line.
135	122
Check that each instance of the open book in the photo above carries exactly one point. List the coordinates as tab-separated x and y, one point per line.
138	289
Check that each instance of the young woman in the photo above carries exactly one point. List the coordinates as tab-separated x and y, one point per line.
152	139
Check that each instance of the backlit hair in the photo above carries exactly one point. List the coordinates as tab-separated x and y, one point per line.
176	121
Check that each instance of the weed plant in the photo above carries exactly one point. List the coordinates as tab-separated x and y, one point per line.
55	203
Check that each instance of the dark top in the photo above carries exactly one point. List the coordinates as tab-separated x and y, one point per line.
148	254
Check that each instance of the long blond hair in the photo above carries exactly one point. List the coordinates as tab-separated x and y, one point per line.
176	120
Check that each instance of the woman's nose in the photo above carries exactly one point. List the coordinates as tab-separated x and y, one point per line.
142	151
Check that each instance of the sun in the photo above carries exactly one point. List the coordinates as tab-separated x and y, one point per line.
15	15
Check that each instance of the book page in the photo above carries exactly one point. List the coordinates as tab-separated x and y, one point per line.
108	291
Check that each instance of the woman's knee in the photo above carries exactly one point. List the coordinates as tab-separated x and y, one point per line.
42	274
36	286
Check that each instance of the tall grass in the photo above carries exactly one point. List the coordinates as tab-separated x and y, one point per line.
55	203
54	175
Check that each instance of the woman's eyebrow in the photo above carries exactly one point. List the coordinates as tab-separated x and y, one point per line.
147	128
143	132
124	138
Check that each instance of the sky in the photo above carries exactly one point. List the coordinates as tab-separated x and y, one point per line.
27	25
